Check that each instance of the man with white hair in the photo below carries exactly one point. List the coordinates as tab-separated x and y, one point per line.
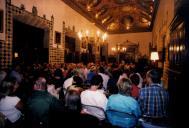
40	103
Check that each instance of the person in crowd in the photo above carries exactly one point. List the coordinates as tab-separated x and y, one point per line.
153	99
73	101
112	83
40	105
70	81
16	73
73	112
94	100
53	91
122	75
10	106
140	80
135	83
2	120
122	109
104	77
77	84
91	73
3	74
58	78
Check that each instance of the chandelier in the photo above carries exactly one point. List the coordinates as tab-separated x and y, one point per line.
98	37
119	48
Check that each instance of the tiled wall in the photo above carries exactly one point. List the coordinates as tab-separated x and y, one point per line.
56	55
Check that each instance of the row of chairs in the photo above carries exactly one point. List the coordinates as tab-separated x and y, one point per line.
99	112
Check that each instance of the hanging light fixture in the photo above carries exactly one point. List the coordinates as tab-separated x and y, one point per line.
97	37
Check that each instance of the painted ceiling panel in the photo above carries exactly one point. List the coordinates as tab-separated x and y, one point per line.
118	16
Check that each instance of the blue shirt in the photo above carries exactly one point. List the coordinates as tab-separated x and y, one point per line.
121	104
153	101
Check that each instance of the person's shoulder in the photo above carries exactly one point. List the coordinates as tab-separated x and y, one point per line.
113	96
85	92
12	98
144	89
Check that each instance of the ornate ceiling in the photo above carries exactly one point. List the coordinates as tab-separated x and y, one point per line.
118	16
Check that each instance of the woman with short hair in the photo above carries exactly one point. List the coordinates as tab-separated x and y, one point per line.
122	109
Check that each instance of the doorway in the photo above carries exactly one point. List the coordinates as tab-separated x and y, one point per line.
70	53
28	44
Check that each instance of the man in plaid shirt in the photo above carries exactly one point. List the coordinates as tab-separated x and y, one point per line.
153	99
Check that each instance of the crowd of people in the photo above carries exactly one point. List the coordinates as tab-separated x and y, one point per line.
77	95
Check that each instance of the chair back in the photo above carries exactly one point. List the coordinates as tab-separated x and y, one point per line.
121	119
95	111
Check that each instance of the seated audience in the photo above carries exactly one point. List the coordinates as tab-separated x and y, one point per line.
3	74
2	120
10	106
135	83
94	97
122	109
72	112
77	84
105	78
40	104
153	99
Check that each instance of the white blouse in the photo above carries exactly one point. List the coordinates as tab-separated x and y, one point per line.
7	107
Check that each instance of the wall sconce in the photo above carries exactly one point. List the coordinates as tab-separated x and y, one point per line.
154	56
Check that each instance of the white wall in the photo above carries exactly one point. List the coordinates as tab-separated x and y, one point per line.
60	11
143	38
2	7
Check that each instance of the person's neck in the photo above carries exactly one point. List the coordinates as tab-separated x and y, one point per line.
93	88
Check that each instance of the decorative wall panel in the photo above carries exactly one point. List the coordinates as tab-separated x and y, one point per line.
55	55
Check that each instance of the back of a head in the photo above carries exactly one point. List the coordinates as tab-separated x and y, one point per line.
77	81
40	83
58	72
96	80
73	101
135	79
7	87
101	70
124	86
3	74
154	75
